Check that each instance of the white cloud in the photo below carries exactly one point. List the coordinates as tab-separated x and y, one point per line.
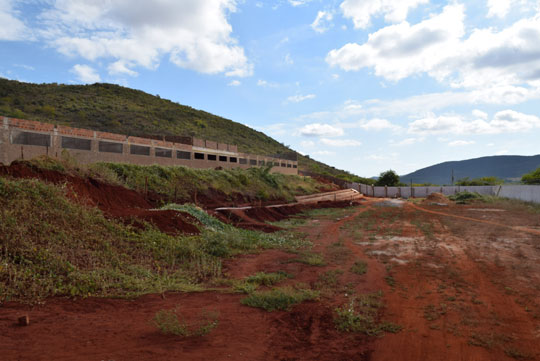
499	8
298	2
322	22
503	121
299	98
120	68
400	50
307	143
12	28
405	142
361	11
341	142
322	130
503	62
234	83
266	84
193	34
378	124
460	143
480	114
85	73
287	60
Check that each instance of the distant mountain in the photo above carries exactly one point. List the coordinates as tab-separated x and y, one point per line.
507	167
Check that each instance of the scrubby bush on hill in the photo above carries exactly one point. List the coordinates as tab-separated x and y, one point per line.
532	177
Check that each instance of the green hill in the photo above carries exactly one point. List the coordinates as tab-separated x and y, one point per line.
117	109
506	167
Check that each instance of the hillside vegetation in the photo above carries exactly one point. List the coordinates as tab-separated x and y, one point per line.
113	108
178	183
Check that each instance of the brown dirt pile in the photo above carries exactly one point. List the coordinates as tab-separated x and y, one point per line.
436	198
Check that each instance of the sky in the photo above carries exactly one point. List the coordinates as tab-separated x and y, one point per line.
362	85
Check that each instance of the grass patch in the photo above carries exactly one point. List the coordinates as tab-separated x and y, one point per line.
309	258
361	315
171	322
50	246
359	267
279	298
267	279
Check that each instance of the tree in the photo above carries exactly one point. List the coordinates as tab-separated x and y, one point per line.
532	177
388	178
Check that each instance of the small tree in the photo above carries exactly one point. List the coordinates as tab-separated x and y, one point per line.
532	177
388	178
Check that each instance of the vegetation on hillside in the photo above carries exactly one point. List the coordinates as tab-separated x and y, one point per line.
178	183
532	177
51	246
483	181
113	108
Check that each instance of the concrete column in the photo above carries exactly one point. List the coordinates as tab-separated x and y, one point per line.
4	140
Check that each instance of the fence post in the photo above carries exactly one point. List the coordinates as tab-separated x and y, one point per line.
385	191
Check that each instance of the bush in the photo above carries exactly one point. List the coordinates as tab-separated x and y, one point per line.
278	298
532	177
388	178
465	197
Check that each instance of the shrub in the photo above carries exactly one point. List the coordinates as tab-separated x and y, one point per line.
279	298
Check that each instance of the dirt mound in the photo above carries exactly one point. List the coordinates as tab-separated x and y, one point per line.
168	221
115	201
438	198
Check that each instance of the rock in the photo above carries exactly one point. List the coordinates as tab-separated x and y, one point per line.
24	320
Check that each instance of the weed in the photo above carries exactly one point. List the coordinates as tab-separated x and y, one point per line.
361	315
517	354
279	298
267	279
328	282
309	258
170	322
359	267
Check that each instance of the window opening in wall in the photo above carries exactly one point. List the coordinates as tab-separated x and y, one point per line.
288	165
243	161
261	162
276	164
283	165
164	153
295	166
183	155
253	162
28	138
198	155
109	147
139	150
222	158
233	160
212	157
76	143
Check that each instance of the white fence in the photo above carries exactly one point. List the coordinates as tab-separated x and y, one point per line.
521	192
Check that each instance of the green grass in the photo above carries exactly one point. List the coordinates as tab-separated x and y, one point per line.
183	184
278	298
171	322
50	246
359	267
310	258
267	279
361	315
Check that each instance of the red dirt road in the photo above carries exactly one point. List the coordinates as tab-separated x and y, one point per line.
461	290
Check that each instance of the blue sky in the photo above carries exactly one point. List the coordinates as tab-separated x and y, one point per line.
364	86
